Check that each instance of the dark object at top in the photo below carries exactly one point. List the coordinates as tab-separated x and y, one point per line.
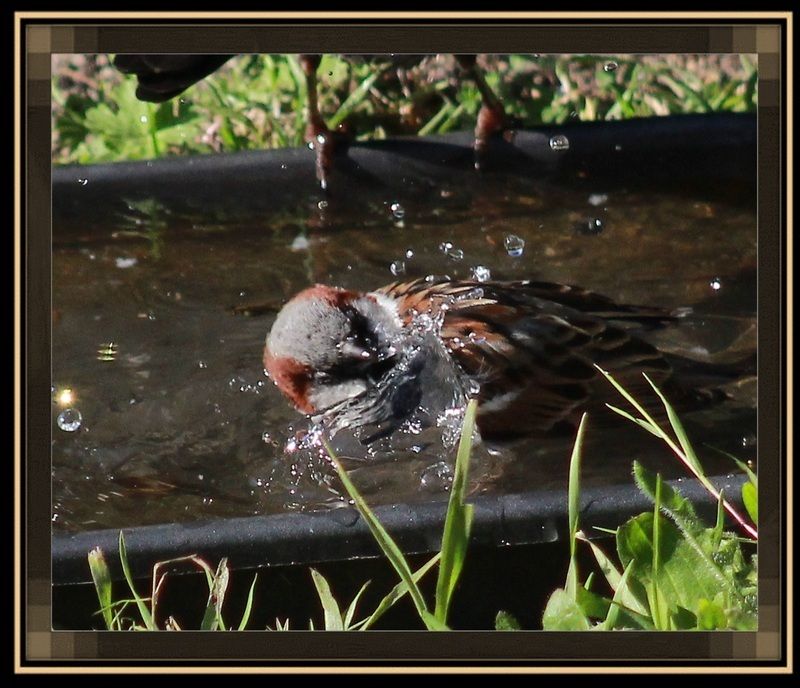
162	77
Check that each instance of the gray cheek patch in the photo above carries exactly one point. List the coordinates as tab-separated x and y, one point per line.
308	331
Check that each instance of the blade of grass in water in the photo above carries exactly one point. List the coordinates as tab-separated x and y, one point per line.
458	522
386	543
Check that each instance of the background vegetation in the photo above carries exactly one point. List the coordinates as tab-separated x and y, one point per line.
258	101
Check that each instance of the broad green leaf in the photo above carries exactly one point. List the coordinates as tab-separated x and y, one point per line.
683	576
564	614
102	583
750	499
333	615
673	503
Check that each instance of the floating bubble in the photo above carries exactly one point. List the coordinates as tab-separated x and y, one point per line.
610	67
409	254
591	226
480	273
398	211
437	477
514	245
398	267
559	142
69	420
322	205
715	284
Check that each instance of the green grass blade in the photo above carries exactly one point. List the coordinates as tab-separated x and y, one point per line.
102	583
615	581
353	100
750	499
351	610
249	606
574	485
458	522
333	615
384	540
679	431
397	593
141	605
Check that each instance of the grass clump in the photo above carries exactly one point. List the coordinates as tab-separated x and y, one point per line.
256	101
671	570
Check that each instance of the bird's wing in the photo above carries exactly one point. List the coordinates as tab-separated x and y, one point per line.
162	77
532	348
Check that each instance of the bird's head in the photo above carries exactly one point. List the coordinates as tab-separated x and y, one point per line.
330	345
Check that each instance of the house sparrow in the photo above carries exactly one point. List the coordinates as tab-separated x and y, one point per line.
525	349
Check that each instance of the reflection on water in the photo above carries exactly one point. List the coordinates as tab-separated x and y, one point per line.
161	409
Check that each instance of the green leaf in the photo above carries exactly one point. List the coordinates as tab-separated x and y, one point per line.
750	499
673	503
563	613
710	616
144	612
102	583
625	591
397	592
679	430
458	521
217	587
333	615
351	610
384	540
249	606
506	622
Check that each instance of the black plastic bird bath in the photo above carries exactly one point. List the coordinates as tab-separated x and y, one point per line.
135	383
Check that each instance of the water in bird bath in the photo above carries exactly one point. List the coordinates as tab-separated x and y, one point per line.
161	408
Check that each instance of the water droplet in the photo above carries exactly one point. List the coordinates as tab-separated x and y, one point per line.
598	199
514	245
83	182
69	420
559	142
436	477
202	364
618	147
143	119
451	251
409	254
283	165
398	267
480	273
591	226
321	138
124	263
715	284
398	211
266	437
610	66
300	243
322	205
